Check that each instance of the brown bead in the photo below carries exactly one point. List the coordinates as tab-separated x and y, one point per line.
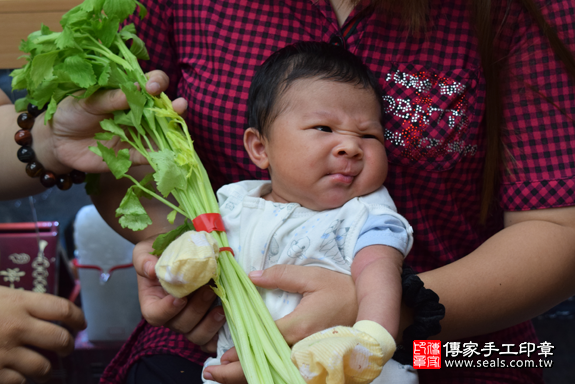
64	182
78	177
48	179
25	121
23	137
34	110
25	154
34	169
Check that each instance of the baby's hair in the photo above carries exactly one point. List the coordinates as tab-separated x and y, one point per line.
303	60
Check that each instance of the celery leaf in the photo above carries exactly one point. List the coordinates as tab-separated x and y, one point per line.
119	9
66	39
110	126
146	182
169	175
104	76
21	104
51	109
41	68
136	100
80	71
44	93
143	11
163	240
138	48
133	215
118	164
92	184
106	30
104	136
75	15
94	6
172	216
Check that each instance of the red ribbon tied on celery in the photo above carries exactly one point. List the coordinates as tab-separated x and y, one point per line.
209	222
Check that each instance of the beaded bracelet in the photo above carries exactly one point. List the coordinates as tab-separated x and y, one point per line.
26	155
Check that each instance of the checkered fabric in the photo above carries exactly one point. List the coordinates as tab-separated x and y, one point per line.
434	103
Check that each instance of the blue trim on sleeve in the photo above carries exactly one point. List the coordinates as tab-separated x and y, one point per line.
383	230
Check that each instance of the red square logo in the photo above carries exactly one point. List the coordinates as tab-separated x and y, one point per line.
426	354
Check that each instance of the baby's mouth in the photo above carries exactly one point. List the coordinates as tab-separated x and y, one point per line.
345	178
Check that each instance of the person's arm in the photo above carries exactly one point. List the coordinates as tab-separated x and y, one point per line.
376	272
14	182
62	144
59	146
4	99
522	271
27	320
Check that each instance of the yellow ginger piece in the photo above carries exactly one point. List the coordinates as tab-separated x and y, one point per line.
187	263
344	355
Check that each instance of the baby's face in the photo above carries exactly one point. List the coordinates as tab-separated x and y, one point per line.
326	146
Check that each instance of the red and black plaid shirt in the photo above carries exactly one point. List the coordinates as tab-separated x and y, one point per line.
434	104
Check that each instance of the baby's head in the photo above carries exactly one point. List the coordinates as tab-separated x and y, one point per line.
314	112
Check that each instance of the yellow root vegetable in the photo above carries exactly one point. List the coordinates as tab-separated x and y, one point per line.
187	263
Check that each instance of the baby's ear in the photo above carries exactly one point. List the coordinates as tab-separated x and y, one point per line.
254	143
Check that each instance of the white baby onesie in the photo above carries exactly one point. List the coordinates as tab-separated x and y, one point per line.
264	233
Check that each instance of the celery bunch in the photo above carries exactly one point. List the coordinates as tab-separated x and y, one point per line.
91	54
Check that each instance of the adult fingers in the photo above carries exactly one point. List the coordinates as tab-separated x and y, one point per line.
230	356
158	82
289	278
10	376
230	372
207	328
104	102
48	336
328	298
157	306
198	304
107	101
186	315
144	262
180	105
53	308
211	346
27	363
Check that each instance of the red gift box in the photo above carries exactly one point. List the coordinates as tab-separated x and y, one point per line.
29	258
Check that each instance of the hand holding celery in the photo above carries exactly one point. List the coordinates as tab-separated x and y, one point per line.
91	55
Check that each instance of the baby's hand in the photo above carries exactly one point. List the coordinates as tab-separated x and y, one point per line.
341	355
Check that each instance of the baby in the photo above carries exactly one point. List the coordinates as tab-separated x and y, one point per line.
315	115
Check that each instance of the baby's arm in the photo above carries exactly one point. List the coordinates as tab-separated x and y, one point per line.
375	270
357	355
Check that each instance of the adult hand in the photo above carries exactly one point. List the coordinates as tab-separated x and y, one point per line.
329	299
63	143
229	372
25	320
191	316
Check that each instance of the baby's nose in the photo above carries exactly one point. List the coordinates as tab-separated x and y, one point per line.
349	147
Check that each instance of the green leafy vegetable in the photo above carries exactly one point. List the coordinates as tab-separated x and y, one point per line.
91	54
